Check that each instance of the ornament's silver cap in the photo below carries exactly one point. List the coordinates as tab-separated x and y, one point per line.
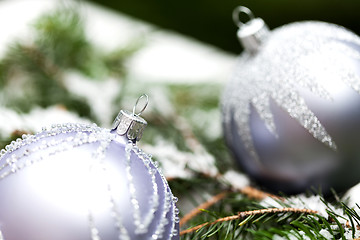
252	33
130	124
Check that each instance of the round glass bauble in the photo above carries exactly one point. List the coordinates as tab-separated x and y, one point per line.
291	110
82	182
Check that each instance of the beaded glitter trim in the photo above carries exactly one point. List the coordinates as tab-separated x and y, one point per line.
85	134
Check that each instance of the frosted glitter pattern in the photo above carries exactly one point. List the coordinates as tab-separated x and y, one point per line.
18	156
307	55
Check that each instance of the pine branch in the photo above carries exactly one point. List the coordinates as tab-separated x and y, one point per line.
282	222
32	73
202	206
249	214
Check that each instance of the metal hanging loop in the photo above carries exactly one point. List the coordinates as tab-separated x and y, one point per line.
137	102
236	15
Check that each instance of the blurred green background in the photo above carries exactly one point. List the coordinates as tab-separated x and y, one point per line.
210	20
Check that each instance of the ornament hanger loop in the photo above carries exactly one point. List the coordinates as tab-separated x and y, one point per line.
236	15
137	101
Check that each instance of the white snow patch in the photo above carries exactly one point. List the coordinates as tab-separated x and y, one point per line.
166	57
235	179
326	234
352	197
100	94
209	121
303	202
278	237
270	202
160	102
40	117
180	164
35	120
348	234
312	202
173	162
167	53
303	234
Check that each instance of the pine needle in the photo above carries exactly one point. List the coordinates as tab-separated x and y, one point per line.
248	214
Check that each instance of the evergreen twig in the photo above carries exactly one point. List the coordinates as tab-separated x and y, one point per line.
202	206
33	73
244	214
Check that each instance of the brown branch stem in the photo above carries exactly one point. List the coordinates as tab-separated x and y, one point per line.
204	205
257	194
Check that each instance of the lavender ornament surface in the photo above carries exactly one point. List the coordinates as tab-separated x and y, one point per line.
82	182
291	108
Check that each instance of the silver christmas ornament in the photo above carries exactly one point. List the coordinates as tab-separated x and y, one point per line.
291	110
83	182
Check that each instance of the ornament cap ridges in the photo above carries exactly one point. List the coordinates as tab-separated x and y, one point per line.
130	124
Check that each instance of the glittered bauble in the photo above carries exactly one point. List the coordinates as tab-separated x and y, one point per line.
83	182
291	111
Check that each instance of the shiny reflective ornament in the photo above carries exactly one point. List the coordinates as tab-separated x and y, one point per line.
291	110
83	182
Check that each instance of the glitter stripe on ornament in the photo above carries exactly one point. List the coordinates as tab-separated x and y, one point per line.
105	138
163	222
263	108
174	231
305	116
142	225
168	200
99	155
54	130
132	190
175	210
15	166
123	233
154	199
13	161
63	145
93	230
